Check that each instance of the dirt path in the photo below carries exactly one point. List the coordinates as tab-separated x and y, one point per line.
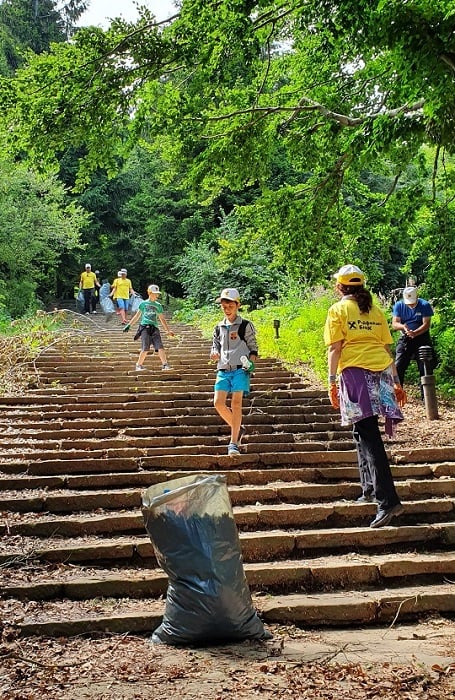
409	662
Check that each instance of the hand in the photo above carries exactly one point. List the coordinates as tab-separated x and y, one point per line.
400	395
251	367
127	327
333	396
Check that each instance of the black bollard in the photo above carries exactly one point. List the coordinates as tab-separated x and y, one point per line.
276	325
428	382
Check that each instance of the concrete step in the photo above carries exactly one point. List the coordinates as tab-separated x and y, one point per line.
248	477
260	546
67	500
249	517
54	619
76	453
311	574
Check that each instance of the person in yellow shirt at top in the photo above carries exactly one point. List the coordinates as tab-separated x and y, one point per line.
358	340
121	290
88	283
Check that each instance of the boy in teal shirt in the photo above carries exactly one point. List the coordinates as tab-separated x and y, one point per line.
149	313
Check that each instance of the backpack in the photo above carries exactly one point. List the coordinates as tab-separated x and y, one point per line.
241	330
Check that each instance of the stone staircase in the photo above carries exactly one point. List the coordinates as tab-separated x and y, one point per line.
76	454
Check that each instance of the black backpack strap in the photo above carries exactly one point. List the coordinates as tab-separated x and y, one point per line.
241	331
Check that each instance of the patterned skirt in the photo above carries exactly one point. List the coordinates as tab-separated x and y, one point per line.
364	393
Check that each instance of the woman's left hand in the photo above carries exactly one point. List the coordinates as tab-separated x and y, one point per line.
333	396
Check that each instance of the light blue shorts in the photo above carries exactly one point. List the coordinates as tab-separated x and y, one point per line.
232	380
123	303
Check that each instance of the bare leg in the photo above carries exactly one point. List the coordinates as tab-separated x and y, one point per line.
162	356
231	416
141	359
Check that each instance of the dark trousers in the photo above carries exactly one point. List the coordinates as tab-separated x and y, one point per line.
407	350
87	300
374	467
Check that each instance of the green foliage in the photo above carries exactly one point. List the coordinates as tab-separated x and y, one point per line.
37	225
21	342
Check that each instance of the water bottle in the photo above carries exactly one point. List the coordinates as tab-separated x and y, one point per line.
245	362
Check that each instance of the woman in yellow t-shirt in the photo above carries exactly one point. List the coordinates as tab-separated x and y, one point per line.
121	290
358	340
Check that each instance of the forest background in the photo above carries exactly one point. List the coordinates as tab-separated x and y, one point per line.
252	144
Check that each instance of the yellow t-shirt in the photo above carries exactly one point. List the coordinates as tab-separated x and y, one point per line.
363	336
88	280
122	287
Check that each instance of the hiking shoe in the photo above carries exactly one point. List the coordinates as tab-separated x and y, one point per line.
365	498
242	432
140	368
165	366
233	450
383	517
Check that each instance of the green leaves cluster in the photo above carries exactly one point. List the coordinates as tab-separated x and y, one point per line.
37	226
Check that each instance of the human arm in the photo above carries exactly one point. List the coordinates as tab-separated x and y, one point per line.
135	318
398	325
333	358
400	393
423	328
215	350
165	325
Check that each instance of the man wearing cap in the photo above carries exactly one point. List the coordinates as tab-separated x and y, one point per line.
121	290
87	284
412	317
235	350
148	314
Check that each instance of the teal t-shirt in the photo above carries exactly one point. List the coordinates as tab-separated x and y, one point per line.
150	311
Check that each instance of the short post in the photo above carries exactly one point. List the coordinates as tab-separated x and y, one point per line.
276	325
428	382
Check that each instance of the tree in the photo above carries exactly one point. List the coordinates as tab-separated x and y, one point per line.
34	25
341	87
37	226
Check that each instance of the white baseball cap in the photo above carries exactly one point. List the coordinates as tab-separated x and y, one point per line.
123	271
230	294
87	265
410	295
350	275
153	288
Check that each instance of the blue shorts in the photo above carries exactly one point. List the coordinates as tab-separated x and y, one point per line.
232	380
123	303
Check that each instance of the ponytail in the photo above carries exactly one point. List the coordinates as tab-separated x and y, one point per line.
361	295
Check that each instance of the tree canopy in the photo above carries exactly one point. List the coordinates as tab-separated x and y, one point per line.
353	100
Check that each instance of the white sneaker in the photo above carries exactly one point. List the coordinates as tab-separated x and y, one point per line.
165	366
140	368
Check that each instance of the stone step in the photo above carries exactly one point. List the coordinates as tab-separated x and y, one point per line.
272	547
249	517
79	463
76	453
52	619
295	492
316	574
248	477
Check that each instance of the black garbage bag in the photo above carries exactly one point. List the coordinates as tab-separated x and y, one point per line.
192	528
